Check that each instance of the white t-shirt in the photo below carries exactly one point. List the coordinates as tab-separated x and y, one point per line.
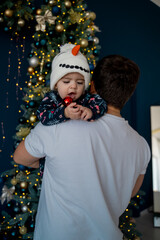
90	171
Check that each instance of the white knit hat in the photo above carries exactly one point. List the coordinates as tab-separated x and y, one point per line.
69	60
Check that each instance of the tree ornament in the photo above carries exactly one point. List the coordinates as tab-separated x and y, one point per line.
21	22
24	208
24	185
37	44
32	104
96	52
74	16
84	43
16	209
23	132
52	2
48	65
55	10
22	168
96	40
38	11
92	15
59	28
68	4
23	230
33	61
67	101
71	38
41	20
8	13
30	70
41	78
33	118
29	84
91	66
1	20
6	29
43	42
14	181
7	194
22	120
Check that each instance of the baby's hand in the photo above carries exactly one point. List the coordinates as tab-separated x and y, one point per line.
73	111
86	113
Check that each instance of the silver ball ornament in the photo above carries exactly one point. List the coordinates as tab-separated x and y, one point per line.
21	22
24	209
33	61
96	40
1	19
84	43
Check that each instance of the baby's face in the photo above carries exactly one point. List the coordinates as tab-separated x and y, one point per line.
71	85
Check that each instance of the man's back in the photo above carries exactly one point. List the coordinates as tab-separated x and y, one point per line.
90	171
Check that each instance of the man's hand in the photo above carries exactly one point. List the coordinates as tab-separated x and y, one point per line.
73	111
86	113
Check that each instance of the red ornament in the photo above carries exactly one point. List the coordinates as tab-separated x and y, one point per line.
67	101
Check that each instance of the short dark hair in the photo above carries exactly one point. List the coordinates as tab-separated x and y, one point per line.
115	78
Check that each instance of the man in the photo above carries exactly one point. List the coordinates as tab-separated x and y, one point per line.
92	168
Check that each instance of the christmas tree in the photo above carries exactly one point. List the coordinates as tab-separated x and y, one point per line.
56	22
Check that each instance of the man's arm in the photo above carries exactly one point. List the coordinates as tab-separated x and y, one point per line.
21	156
137	185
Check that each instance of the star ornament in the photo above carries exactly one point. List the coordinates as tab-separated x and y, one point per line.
7	193
41	20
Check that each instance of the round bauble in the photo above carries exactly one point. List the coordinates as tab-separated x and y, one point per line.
38	11
96	40
23	230
91	66
41	78
30	70
96	52
29	84
32	104
67	101
14	181
8	13
24	209
21	22
59	28
16	209
1	20
55	10
52	2
43	42
92	15
24	185
33	118
21	167
68	4
84	43
33	61
37	44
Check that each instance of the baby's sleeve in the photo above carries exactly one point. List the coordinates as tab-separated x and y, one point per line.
97	104
51	110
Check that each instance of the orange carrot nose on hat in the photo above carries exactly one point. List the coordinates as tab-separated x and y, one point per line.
69	60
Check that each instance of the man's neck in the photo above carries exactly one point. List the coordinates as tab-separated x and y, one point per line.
113	111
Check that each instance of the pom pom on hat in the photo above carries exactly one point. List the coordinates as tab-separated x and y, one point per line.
69	60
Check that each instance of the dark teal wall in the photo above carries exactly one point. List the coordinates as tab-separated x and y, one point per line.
129	28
